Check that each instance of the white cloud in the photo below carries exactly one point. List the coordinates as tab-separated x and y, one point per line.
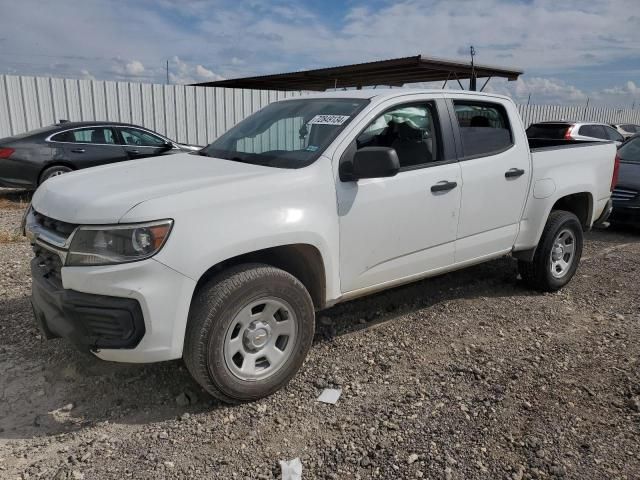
134	68
181	71
629	88
125	69
206	74
86	75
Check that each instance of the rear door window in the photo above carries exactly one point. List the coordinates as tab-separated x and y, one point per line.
94	135
484	128
595	131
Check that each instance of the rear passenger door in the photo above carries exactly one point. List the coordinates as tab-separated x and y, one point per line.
140	143
89	147
495	172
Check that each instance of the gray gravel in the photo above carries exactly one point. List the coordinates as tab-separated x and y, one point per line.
466	376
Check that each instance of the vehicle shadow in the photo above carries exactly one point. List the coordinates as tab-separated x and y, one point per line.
615	234
498	278
48	387
14	197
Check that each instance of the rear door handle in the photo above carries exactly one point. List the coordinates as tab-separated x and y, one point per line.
78	150
443	186
134	151
514	173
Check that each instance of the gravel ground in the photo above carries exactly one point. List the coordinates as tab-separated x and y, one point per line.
466	376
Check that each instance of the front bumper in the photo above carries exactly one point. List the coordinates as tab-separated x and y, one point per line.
89	321
146	303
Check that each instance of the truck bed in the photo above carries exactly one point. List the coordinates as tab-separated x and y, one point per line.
553	143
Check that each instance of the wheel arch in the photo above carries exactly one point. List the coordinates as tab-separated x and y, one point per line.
303	261
55	163
580	204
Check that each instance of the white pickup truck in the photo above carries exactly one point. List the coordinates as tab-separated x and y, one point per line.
222	256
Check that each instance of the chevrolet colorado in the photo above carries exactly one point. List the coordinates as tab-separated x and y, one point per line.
222	256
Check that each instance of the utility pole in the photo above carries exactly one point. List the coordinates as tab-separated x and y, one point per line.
472	80
584	115
529	99
167	72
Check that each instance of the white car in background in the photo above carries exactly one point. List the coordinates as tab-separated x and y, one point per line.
576	131
627	130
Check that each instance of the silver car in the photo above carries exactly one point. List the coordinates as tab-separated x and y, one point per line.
577	131
627	130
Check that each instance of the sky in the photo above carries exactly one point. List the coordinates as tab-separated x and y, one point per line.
570	50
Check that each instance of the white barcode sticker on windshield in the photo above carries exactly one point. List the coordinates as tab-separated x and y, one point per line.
329	119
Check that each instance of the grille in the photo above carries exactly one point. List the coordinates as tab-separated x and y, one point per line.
61	228
624	194
49	263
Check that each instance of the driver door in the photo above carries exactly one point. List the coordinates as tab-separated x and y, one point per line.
397	228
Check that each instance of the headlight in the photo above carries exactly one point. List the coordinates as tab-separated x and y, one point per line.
117	243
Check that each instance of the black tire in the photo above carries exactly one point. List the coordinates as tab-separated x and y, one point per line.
537	274
47	173
213	310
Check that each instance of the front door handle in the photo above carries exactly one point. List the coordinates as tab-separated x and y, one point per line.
78	150
443	186
135	152
514	173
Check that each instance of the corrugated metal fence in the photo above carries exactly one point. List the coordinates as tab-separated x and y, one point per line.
195	115
187	114
539	113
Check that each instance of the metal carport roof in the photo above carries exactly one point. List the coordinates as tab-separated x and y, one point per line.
392	72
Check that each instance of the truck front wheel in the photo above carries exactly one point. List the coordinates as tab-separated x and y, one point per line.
248	333
557	255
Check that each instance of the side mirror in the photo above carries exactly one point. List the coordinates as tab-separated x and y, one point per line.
375	162
167	146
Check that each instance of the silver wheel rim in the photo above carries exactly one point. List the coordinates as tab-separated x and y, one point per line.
56	174
562	253
260	339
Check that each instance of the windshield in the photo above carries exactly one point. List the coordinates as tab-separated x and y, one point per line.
630	151
287	134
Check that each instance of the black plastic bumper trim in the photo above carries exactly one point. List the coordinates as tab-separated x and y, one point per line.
89	321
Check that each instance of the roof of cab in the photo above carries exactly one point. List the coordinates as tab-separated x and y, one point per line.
383	93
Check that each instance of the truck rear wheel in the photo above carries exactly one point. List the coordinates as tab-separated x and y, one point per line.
248	333
557	255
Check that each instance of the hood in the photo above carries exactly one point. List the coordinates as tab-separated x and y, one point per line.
104	194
